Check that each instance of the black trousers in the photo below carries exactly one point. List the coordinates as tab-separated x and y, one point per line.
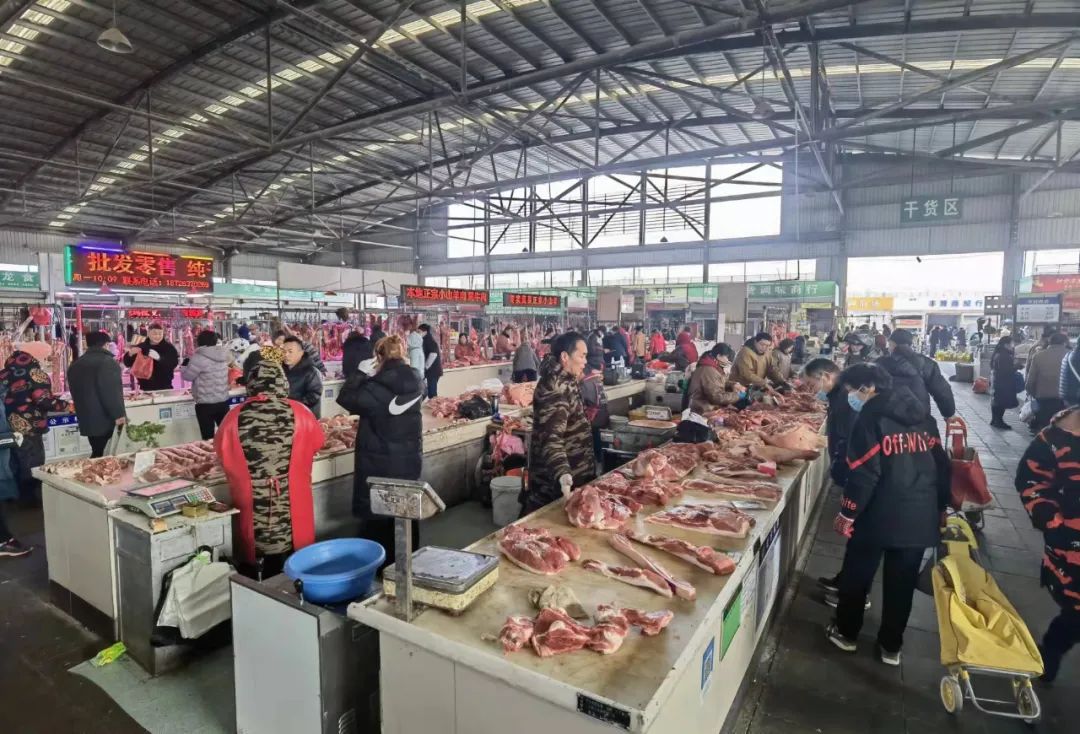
1061	635
432	387
861	560
98	444
524	376
210	416
29	456
5	531
997	414
1048	408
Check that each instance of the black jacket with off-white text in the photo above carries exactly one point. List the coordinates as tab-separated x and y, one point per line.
898	473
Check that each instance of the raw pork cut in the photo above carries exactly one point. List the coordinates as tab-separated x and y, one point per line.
766	491
712	519
591	507
652	464
519	393
650	623
537	549
800	437
779	455
742	467
555	631
701	556
642	491
610	630
634	576
516	632
682	589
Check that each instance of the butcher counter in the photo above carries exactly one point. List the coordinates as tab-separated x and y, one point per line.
438	668
173	409
79	529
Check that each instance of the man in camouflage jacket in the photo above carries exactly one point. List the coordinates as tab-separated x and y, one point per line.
562	435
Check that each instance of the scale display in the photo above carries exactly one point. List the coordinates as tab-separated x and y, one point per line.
166	498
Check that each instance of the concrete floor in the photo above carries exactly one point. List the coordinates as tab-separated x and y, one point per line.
802	684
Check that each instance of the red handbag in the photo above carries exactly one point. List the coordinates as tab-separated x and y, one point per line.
969	487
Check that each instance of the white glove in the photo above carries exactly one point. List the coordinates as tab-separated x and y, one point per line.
567	483
153	354
367	367
18	438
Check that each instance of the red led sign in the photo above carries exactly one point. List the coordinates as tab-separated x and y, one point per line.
138	270
533	300
154	313
424	294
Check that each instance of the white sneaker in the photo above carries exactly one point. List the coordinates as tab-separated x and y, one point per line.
834	636
889	658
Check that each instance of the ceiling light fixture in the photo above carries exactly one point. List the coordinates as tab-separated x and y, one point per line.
112	39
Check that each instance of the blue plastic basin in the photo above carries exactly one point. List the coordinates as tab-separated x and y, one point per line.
336	570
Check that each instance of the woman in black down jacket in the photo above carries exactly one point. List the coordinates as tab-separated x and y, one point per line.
1003	382
389	438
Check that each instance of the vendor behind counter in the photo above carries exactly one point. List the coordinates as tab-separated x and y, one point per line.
562	449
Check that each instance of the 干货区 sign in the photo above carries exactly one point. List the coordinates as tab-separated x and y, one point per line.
130	270
931	209
532	300
426	294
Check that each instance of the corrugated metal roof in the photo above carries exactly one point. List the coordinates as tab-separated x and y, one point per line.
180	142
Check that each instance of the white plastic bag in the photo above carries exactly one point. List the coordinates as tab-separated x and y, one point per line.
1027	411
198	597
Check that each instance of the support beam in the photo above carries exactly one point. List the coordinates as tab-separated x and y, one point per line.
170	72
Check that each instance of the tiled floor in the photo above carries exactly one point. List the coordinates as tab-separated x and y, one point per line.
803	684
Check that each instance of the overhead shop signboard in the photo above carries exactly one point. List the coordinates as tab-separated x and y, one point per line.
124	270
931	209
1044	309
419	295
270	293
1055	283
874	304
12	280
818	291
532	300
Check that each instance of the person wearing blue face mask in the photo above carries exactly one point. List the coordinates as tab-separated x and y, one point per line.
897	488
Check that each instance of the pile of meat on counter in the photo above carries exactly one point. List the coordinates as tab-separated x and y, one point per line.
339	433
733	474
519	394
196	461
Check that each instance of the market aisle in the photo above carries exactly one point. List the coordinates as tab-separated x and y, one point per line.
803	684
38	644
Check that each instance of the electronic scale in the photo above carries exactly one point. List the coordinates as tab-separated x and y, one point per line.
165	498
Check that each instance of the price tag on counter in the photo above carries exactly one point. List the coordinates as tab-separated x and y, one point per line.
143	461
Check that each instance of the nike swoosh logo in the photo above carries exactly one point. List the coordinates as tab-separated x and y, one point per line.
396	409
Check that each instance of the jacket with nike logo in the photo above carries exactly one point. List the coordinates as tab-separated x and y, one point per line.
1047	479
389	439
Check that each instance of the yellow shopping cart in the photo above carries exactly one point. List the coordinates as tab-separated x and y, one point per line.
981	632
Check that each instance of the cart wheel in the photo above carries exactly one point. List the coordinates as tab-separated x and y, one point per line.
952	696
1027	702
975	519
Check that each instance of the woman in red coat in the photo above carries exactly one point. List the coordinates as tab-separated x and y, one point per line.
267	447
